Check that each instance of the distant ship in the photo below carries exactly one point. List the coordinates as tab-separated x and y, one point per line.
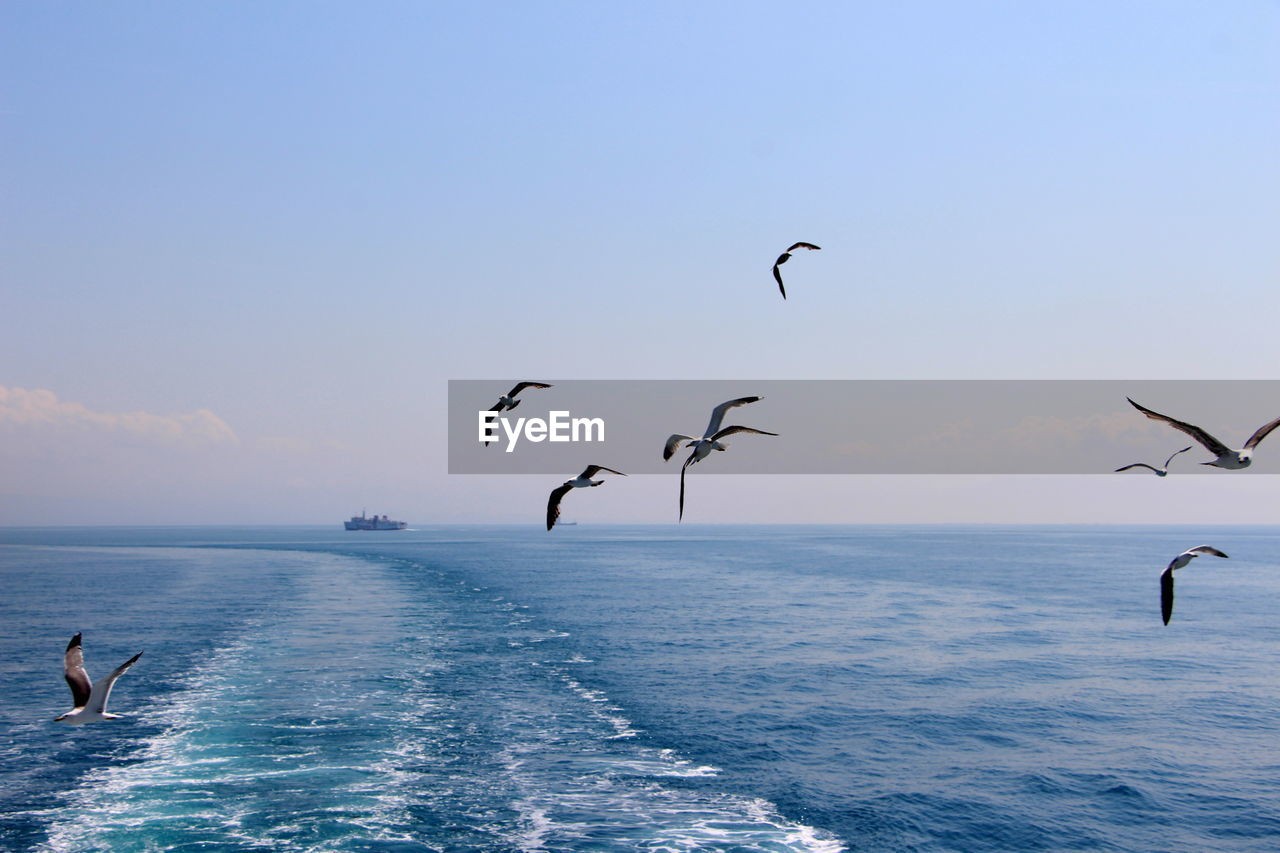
360	522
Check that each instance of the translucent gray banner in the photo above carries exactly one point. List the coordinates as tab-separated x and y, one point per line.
860	426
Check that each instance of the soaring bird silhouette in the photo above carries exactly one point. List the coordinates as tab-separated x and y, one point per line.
1166	577
786	256
582	481
1227	458
1160	472
710	440
508	401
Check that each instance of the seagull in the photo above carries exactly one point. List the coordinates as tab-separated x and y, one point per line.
713	426
582	481
784	257
710	440
1160	472
1227	458
508	401
90	699
1166	577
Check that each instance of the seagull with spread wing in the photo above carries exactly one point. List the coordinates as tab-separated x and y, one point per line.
1227	458
711	439
508	401
1166	577
90	698
786	256
582	481
1160	472
702	446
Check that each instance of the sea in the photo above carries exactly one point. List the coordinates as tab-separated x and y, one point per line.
643	688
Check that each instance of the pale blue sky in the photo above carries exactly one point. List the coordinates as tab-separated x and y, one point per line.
306	217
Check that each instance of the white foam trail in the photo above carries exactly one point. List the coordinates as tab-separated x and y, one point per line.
602	795
234	754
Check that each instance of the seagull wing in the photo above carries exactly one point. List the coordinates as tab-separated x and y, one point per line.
1262	433
795	246
497	407
1171	455
1166	594
73	671
553	505
523	385
102	690
673	444
592	470
1204	549
1138	465
683	468
777	275
717	414
734	430
1217	448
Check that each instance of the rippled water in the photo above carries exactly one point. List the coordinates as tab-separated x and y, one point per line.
643	688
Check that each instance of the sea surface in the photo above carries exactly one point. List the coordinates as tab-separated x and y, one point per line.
643	688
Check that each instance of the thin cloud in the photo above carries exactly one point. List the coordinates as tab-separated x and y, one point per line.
41	410
1047	431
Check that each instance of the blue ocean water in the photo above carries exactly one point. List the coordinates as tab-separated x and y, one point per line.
643	688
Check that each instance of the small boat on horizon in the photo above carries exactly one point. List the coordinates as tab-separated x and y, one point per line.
361	522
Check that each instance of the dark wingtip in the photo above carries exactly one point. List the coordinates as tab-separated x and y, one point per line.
75	641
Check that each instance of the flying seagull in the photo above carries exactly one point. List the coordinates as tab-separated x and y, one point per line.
1166	577
1227	458
582	481
702	445
1160	472
508	401
710	440
90	699
784	257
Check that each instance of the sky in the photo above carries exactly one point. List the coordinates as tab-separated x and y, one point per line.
243	249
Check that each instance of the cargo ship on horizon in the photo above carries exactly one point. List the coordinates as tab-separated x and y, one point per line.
361	522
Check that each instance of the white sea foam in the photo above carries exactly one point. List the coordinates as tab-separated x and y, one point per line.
226	756
597	794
